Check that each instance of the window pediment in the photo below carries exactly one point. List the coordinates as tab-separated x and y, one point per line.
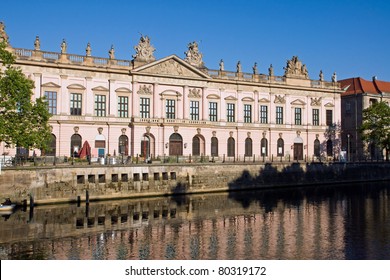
76	86
50	84
298	102
213	96
231	98
264	100
247	99
100	88
123	90
329	104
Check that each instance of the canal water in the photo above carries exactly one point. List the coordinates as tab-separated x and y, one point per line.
328	222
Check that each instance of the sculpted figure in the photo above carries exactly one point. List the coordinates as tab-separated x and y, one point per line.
88	50
193	56
3	34
37	44
271	70
111	52
221	66
334	77
321	76
63	46
144	51
255	71
239	69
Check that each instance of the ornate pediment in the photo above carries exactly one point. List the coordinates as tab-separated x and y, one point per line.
231	98
76	86
194	93
329	104
100	88
213	96
123	90
144	50
295	69
247	99
264	100
280	99
298	102
315	101
171	66
51	84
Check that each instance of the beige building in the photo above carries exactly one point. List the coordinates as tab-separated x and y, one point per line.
176	106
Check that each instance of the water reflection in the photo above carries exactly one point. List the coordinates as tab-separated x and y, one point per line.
331	222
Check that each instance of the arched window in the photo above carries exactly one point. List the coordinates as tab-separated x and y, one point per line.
280	147
123	145
75	145
329	148
264	147
248	147
195	146
175	145
317	148
231	147
51	151
214	146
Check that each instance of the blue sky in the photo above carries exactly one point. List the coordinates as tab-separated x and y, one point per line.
349	37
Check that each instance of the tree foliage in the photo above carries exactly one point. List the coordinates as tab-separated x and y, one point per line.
23	122
376	125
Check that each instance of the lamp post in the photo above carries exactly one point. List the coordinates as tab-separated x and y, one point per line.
348	152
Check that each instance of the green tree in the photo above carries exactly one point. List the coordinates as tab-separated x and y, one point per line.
23	122
376	126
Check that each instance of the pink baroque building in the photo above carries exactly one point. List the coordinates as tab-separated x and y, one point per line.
178	107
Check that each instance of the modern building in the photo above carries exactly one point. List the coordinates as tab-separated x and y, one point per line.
178	107
359	94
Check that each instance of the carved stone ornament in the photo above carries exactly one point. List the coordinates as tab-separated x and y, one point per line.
76	129
63	47
280	135
3	35
111	52
248	134
176	128
123	131
194	93
51	128
37	44
280	99
264	134
298	133
172	68
317	135
144	50
231	133
214	133
295	69
100	130
145	90
88	50
198	130
193	56
147	129
315	101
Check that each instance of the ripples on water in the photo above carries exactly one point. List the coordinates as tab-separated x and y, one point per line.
334	222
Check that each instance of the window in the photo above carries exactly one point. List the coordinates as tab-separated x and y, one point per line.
279	115
231	147
123	145
264	147
329	117
317	148
214	146
51	98
316	117
100	105
194	110
248	147
230	112
280	151
144	107
123	106
75	104
170	108
247	113
213	111
298	116
264	114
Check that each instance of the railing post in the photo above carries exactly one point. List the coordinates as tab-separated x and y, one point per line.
223	161
254	157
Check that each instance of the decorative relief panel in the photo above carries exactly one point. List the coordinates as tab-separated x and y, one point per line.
145	90
194	93
315	101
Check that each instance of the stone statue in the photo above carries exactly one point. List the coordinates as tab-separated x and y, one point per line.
221	66
3	34
239	68
321	76
63	47
271	70
144	51
334	77
295	69
255	71
37	44
193	56
111	52
304	71
88	50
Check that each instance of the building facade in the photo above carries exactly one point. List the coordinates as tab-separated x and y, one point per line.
178	107
359	94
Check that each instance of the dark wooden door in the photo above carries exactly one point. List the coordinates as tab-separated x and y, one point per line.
298	151
176	148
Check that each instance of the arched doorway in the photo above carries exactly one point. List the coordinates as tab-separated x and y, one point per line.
175	145
231	145
100	144
280	147
329	148
264	147
248	147
147	145
198	145
298	148
51	151
123	145
214	146
75	145
317	148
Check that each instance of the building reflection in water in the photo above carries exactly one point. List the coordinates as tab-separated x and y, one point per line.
348	222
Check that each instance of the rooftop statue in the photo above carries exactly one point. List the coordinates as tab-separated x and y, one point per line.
295	69
88	50
37	44
221	66
193	56
239	68
63	46
271	70
254	68
144	51
3	35
111	52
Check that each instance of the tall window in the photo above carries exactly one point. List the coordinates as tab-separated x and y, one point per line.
298	116
100	105
316	117
230	112
248	147
194	110
75	104
317	148
231	147
213	111
264	114
329	117
214	146
247	113
279	115
51	98
280	151
170	108
264	147
123	145
144	107
123	106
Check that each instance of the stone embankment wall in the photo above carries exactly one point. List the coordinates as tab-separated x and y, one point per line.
73	183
